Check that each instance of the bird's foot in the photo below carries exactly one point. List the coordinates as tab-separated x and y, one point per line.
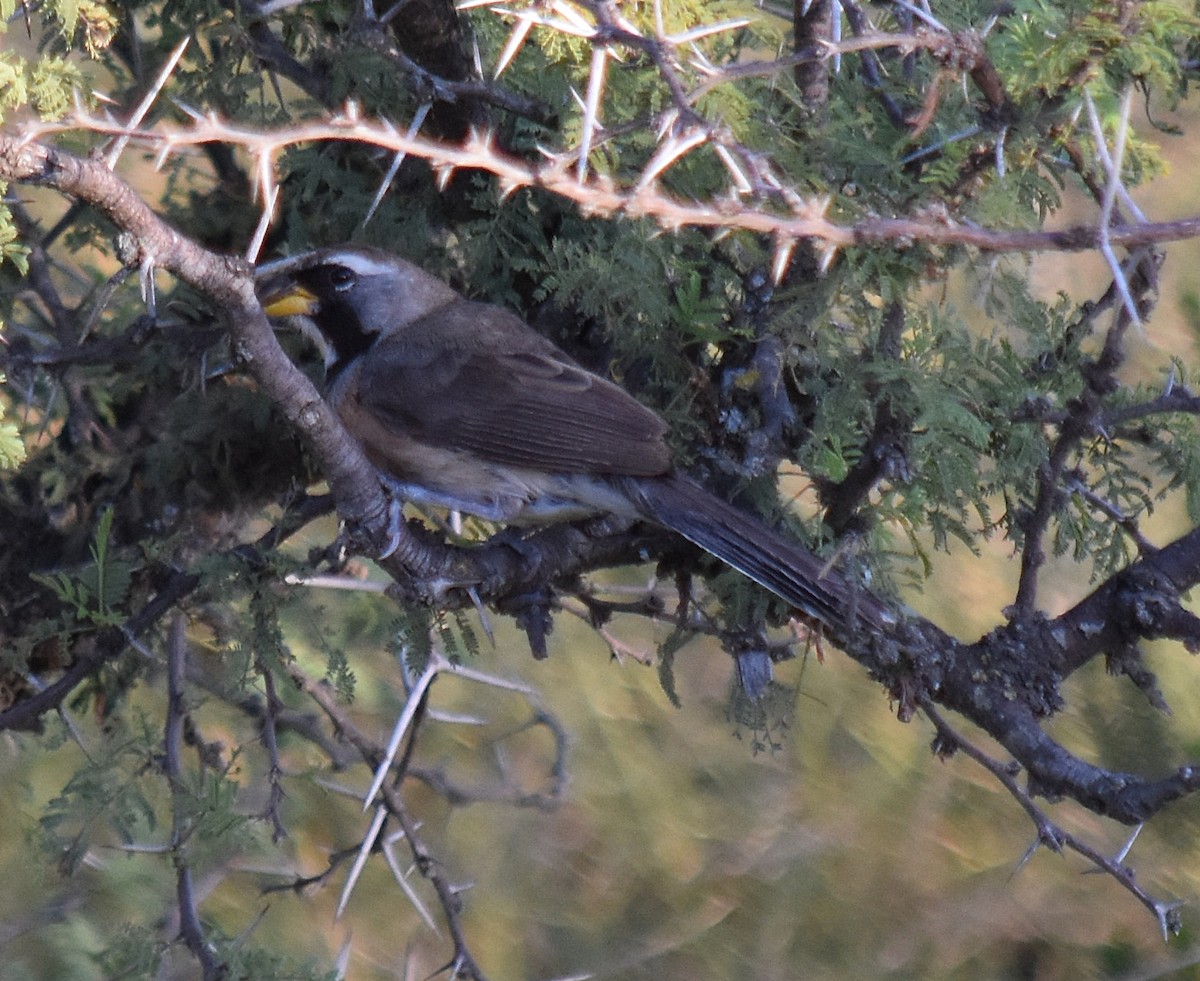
515	538
395	526
607	525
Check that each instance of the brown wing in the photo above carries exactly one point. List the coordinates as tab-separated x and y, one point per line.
507	395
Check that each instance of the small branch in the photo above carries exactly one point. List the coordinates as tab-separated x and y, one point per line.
883	454
1125	522
506	793
813	25
271	708
109	645
189	916
1121	608
1051	835
1080	422
301	884
872	71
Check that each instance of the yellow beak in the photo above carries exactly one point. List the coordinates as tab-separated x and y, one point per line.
293	301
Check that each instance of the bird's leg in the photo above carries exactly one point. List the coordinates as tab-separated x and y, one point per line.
514	537
395	522
607	525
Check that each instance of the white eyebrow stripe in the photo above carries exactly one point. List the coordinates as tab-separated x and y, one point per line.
361	264
355	261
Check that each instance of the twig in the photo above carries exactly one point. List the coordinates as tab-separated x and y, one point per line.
189	916
1050	834
139	114
269	718
110	644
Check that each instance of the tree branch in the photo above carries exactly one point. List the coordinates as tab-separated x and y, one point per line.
557	175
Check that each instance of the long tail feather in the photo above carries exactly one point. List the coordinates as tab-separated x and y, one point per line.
742	541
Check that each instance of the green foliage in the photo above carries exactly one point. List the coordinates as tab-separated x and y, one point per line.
666	664
113	795
138	952
1048	45
97	593
764	722
11	250
45	86
133	951
461	639
12	446
411	638
339	669
49	83
1176	458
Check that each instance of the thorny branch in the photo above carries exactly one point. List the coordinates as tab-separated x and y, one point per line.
430	868
1049	834
597	196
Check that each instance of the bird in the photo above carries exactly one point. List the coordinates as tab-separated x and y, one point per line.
462	405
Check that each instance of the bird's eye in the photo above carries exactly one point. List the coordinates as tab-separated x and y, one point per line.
341	278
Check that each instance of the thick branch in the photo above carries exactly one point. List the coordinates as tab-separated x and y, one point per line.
1141	602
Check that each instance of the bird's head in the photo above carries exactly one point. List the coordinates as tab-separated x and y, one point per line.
348	297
